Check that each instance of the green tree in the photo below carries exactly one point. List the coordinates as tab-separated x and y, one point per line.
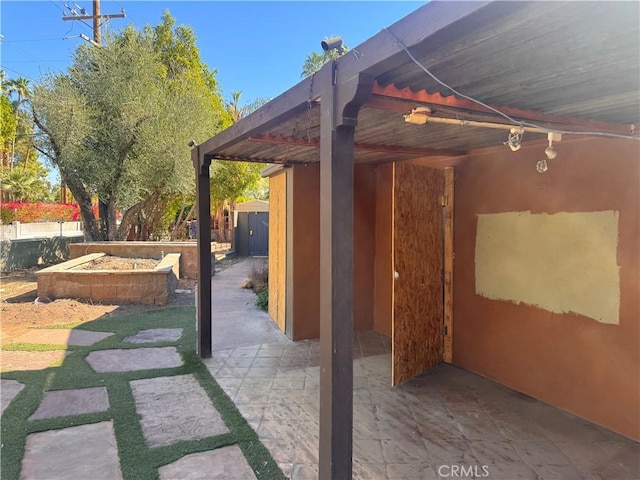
231	181
20	86
8	127
118	123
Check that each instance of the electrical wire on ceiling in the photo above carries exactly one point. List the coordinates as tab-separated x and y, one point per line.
518	123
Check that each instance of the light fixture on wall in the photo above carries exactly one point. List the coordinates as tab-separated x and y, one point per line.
542	166
514	140
418	116
423	115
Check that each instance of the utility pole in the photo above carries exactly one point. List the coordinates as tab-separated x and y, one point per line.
80	14
96	22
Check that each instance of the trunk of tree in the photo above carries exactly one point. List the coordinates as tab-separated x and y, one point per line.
140	221
181	223
112	226
75	185
128	221
91	228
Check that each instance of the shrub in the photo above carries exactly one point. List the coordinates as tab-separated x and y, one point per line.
262	301
6	215
259	276
40	212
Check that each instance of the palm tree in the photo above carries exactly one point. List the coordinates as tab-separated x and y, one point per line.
234	108
20	184
21	87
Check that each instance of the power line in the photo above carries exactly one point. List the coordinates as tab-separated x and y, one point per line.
33	40
15	71
36	61
128	14
23	52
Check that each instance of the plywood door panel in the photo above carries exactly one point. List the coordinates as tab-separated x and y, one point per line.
278	248
418	260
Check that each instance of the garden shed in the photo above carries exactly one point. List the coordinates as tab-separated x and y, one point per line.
251	228
467	182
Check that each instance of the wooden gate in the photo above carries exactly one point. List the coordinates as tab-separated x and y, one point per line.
417	325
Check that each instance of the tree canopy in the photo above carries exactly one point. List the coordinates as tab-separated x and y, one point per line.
117	124
23	177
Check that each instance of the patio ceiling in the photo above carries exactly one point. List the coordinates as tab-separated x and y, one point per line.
571	66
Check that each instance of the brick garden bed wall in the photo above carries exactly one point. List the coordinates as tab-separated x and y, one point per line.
135	286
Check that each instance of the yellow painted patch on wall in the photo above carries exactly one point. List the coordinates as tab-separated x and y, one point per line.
563	262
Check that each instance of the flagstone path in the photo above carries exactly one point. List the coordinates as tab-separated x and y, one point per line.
170	409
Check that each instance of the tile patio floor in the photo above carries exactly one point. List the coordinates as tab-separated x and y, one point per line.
424	429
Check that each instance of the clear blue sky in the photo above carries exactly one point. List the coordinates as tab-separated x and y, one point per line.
256	47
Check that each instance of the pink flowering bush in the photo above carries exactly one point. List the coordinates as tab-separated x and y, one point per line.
38	212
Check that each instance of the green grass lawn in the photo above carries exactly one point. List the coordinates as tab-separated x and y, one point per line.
137	460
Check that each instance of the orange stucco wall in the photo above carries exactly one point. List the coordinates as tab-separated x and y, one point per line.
306	249
383	269
574	362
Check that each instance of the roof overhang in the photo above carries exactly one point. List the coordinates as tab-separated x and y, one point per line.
568	66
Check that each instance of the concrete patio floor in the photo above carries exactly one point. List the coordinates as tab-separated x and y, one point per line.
445	423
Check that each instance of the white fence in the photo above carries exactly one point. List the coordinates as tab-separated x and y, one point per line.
18	230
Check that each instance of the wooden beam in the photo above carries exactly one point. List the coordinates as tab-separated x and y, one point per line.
228	158
414	151
373	57
201	165
337	128
404	99
448	264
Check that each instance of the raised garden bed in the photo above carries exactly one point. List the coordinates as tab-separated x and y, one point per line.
188	251
72	279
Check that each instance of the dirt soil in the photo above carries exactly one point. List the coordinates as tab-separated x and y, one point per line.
118	263
19	312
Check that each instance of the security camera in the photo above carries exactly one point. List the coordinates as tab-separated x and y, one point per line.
333	43
192	143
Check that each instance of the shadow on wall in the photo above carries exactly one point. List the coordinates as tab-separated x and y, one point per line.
25	253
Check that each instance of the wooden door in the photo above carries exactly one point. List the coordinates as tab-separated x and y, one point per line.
417	325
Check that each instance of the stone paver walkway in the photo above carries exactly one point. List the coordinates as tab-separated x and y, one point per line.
155	335
225	463
131	360
173	409
62	403
8	391
170	408
86	451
